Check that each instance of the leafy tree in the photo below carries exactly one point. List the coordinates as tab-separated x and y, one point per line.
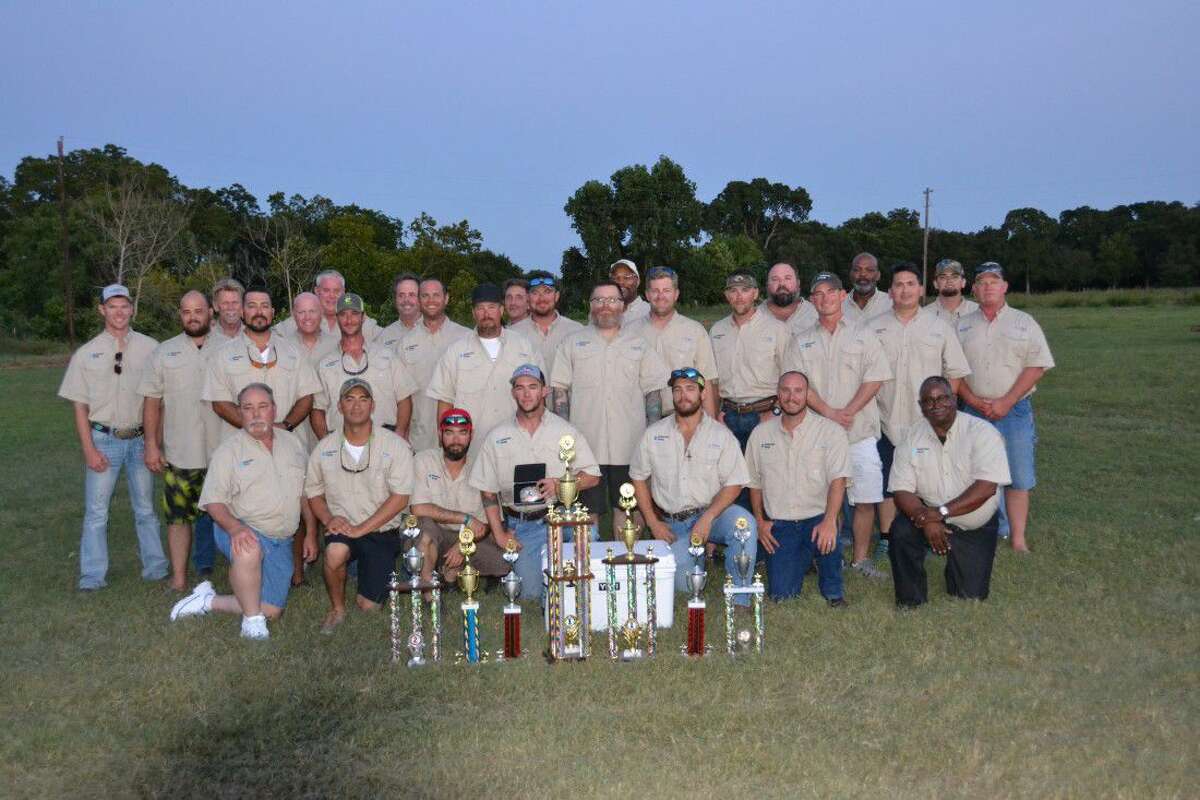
757	209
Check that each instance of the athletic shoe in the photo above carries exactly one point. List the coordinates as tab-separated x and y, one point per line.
255	627
196	604
867	570
837	602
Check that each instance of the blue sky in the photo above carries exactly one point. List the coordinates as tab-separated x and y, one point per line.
498	111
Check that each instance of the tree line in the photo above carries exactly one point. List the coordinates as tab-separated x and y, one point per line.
138	224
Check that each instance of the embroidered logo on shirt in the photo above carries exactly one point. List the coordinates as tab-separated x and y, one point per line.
247	462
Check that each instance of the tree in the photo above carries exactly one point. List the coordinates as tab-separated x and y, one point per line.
1116	259
756	209
291	260
1030	239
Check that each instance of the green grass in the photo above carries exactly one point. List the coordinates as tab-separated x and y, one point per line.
1078	678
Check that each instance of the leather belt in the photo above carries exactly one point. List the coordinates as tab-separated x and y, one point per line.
680	516
119	433
526	516
756	406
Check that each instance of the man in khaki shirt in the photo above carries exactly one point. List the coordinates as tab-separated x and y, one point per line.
420	349
306	335
945	476
607	382
544	326
328	286
798	464
227	311
517	472
784	299
846	367
406	295
866	300
950	304
474	372
679	341
624	273
516	300
359	479
101	382
253	491
182	430
1008	354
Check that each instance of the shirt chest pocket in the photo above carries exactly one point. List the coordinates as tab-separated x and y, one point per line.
472	374
1016	347
851	359
587	366
759	360
179	376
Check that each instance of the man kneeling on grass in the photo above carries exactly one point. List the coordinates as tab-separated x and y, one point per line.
253	492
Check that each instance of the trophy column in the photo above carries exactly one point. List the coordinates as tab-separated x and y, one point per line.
414	561
697	579
512	610
630	632
741	641
569	636
468	581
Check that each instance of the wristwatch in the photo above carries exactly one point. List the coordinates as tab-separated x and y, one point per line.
945	512
289	426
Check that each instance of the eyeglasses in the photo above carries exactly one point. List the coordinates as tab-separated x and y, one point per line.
533	282
455	419
117	365
938	400
606	301
366	364
360	468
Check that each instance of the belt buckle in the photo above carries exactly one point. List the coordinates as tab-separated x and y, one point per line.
125	433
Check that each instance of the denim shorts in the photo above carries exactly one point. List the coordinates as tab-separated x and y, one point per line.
276	564
1020	441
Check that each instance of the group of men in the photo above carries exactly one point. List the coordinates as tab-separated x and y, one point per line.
803	417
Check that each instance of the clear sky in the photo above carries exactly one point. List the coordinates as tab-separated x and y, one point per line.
498	111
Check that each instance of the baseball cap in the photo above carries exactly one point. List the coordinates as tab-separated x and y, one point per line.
992	267
486	293
355	383
624	262
114	290
948	265
349	302
527	370
686	374
825	277
741	279
454	416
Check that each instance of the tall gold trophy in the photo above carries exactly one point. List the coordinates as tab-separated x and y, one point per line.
569	636
414	560
468	581
630	632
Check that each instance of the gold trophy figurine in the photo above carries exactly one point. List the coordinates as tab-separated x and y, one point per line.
568	489
629	531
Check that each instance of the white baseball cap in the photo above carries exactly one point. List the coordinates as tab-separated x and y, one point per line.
114	290
624	262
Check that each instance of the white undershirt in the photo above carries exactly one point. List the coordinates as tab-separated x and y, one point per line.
492	346
355	450
266	354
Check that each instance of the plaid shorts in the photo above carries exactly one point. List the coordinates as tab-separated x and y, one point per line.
181	491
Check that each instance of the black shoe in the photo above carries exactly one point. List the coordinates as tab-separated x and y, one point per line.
204	572
837	602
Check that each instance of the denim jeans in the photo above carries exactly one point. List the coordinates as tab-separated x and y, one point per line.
204	549
1020	444
532	536
98	488
741	426
721	533
790	561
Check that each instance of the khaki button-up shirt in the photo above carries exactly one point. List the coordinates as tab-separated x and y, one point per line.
838	364
879	303
466	377
420	349
217	337
794	470
112	399
688	475
547	342
998	350
750	356
637	309
380	367
682	342
915	350
951	318
393	333
609	382
938	473
260	487
324	346
370	329
230	370
432	484
386	469
508	444
801	318
175	375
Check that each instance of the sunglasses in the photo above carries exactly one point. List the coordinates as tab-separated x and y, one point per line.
534	282
360	467
689	373
607	301
366	364
455	419
117	365
254	362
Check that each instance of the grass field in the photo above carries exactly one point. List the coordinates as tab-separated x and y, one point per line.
1078	678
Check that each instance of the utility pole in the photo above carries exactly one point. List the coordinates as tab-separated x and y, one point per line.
925	246
65	244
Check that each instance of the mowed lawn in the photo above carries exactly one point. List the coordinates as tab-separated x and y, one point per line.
1078	678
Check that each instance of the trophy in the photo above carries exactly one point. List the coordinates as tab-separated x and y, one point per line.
468	581
512	611
414	561
741	641
697	579
569	636
630	632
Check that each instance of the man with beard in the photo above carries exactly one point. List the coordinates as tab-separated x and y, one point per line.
516	300
473	372
253	491
522	453
784	300
328	287
679	341
544	326
420	349
359	479
101	382
381	368
687	472
951	305
607	381
227	305
406	292
945	477
444	500
624	273
182	431
866	300
798	466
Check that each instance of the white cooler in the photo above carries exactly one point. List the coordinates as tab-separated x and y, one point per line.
664	584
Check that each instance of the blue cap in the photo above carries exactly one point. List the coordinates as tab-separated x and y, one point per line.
527	371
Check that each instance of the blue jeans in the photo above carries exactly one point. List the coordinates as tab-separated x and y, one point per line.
204	550
790	561
721	533
741	426
98	488
1020	443
532	536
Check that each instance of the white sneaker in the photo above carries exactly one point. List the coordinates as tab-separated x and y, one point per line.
196	604
255	627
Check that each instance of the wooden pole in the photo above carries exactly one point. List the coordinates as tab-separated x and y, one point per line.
65	244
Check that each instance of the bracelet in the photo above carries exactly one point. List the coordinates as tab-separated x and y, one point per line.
467	519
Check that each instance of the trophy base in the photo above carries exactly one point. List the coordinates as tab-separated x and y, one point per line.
416	661
636	654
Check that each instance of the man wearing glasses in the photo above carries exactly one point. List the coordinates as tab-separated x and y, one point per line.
359	480
679	341
544	326
624	273
101	382
945	478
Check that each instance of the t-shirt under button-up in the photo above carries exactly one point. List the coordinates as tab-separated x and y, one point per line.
385	469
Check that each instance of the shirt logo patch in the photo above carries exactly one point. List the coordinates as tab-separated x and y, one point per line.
920	451
433	476
328	453
767	445
246	463
504	440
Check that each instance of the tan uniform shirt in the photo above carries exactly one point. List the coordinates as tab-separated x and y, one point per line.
548	342
466	377
217	337
386	469
370	329
508	444
951	318
794	470
938	473
879	303
838	364
260	487
230	370
682	342
432	484
420	351
925	346
320	349
801	318
380	367
609	382
91	378
997	351
191	429
637	309
750	356
688	475
392	334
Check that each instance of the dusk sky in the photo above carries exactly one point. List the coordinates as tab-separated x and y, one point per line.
497	112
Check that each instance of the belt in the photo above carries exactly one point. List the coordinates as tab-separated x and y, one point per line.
526	516
120	433
680	516
756	406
